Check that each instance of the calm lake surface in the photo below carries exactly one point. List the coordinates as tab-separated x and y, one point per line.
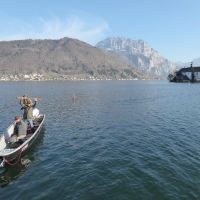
118	140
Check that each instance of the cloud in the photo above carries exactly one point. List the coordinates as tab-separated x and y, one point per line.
90	29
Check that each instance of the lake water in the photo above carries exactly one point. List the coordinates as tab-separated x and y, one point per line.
118	140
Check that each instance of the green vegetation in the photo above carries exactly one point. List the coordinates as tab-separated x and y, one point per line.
65	58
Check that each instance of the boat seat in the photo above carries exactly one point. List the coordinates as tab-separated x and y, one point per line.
29	135
16	144
36	123
26	138
21	136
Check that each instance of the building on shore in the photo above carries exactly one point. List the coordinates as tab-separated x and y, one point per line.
186	74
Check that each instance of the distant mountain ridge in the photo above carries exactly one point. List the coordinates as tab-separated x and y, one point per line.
139	53
196	63
66	56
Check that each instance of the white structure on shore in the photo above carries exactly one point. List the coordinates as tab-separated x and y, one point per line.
187	74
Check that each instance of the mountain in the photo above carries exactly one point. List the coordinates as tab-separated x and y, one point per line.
66	56
140	54
196	63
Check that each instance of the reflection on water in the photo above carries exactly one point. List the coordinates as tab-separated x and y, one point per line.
10	173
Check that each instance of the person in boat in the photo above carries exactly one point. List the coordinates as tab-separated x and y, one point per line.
28	112
20	130
26	100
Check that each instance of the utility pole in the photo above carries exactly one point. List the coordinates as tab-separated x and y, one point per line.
192	74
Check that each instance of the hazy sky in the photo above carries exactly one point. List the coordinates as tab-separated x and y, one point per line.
171	27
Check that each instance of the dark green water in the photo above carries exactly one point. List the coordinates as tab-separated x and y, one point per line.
118	140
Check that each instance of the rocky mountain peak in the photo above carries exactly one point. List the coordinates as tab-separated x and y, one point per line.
140	54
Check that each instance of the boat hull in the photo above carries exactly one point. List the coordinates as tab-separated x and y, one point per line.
8	155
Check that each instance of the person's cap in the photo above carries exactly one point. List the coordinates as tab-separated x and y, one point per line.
17	117
25	95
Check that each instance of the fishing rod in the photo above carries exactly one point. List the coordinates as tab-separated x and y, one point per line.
22	98
39	97
19	98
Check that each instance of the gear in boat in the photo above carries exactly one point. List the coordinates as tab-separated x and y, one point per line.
11	151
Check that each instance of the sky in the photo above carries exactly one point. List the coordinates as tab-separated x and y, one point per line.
171	27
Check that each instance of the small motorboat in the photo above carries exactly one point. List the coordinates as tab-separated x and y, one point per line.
8	153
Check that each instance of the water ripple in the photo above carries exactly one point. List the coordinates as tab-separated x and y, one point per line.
118	140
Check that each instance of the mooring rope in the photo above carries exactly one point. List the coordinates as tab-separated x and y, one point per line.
9	106
4	159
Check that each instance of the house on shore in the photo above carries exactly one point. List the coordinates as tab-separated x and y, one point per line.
187	74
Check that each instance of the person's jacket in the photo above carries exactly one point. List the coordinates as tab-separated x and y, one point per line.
28	110
19	130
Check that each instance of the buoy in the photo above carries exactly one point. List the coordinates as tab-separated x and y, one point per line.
74	98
